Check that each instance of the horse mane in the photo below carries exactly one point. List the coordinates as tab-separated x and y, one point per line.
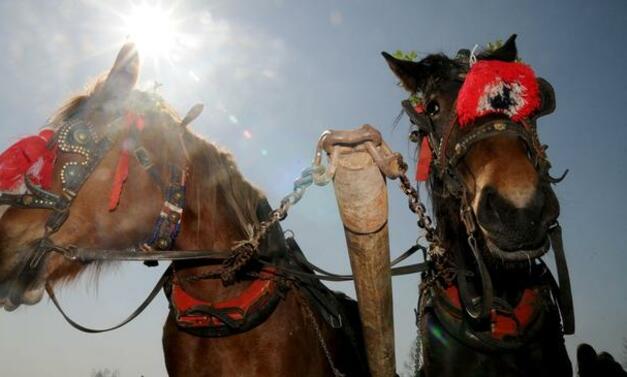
214	173
217	172
434	68
73	104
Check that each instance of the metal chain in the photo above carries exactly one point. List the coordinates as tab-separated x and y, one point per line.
308	314
443	265
245	251
417	207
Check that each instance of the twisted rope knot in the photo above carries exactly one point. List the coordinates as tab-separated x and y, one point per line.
243	253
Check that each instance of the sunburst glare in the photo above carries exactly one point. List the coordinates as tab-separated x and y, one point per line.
153	30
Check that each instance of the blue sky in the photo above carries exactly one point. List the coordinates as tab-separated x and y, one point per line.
273	75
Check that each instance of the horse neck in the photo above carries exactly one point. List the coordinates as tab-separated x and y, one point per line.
216	214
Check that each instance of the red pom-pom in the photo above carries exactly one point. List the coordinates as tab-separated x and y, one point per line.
28	156
498	87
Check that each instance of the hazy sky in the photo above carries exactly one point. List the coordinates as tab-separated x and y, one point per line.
273	75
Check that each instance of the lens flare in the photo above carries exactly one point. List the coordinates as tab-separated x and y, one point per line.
153	30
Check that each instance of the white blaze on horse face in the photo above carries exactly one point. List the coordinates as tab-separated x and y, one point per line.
513	176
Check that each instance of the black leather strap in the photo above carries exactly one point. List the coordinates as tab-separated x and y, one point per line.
565	296
151	296
486	296
134	254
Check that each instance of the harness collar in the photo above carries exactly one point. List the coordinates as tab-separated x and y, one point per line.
228	317
506	328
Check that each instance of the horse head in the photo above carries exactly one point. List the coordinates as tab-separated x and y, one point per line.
480	127
474	116
100	195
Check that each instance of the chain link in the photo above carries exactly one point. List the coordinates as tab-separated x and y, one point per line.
417	207
308	315
245	251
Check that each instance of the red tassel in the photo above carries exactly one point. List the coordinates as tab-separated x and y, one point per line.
424	161
121	173
121	170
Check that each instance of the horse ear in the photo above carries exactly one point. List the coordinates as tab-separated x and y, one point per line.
507	53
547	98
410	73
192	114
124	74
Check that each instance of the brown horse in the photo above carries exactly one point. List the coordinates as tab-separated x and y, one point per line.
283	334
489	306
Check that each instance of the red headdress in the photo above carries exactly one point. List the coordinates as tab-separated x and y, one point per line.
493	86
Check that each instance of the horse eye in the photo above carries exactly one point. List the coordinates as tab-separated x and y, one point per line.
433	108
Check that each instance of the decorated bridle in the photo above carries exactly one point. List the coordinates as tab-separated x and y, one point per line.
77	136
496	98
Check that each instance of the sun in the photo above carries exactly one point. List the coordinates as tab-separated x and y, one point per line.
153	30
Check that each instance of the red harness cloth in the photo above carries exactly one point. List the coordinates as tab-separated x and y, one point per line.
236	309
28	156
504	324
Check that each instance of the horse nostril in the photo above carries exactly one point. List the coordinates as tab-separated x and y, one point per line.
488	212
504	220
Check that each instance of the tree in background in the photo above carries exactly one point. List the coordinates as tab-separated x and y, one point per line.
105	373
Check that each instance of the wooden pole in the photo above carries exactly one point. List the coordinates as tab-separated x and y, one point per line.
361	193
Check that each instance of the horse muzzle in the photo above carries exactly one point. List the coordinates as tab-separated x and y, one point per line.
514	234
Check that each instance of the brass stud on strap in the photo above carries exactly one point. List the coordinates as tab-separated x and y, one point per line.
162	243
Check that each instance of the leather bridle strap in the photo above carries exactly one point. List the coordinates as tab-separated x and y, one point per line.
151	296
486	297
134	254
330	276
565	296
396	271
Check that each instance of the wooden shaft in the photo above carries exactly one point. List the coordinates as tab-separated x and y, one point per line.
361	193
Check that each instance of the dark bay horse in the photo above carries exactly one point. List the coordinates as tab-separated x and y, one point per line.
489	306
128	172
